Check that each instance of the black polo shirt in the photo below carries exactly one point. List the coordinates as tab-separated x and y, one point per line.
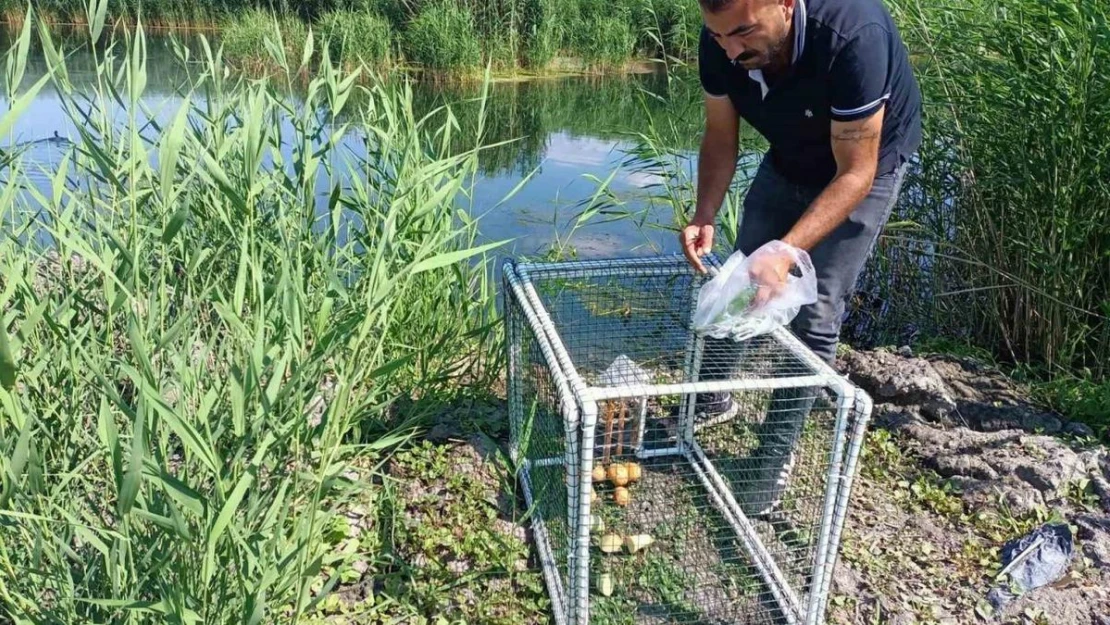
848	60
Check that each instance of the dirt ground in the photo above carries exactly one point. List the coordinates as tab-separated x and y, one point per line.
957	462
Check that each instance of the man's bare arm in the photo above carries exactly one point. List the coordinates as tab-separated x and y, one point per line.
855	147
717	159
716	166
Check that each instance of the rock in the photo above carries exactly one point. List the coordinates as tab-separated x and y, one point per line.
891	378
1049	475
1042	422
1094	535
1025	471
845	581
969	466
442	432
1101	487
1079	430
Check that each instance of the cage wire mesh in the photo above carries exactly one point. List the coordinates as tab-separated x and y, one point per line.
671	477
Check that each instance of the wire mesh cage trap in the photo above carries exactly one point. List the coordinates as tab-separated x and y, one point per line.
672	477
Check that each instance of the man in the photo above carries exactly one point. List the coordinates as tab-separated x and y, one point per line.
828	83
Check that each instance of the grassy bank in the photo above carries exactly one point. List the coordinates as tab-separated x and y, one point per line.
1015	120
199	363
452	35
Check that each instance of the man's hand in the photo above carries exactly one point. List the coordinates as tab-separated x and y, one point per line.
716	166
697	241
769	271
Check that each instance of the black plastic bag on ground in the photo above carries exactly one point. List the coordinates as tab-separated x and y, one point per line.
1044	554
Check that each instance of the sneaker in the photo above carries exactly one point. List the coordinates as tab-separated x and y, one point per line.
714	408
768	504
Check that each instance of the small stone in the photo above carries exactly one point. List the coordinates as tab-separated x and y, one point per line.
846	581
905	351
458	567
360	566
442	432
1042	423
1080	430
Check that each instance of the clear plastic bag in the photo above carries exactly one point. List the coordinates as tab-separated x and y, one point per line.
726	303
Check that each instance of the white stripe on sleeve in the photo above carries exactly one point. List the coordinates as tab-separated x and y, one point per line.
860	109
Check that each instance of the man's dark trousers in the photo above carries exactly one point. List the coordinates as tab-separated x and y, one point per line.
771	208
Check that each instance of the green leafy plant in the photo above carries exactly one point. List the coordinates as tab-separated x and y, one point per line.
199	354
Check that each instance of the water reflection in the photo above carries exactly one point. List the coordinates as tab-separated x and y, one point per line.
565	133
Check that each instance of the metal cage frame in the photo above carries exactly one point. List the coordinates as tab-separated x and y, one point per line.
578	406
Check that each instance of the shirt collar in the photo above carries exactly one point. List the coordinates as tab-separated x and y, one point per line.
799	19
799	30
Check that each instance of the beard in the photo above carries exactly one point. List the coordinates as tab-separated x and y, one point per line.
773	56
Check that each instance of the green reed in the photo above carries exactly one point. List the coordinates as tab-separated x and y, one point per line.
1014	192
198	358
508	34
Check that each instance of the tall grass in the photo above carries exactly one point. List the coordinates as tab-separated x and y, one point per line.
197	358
510	33
357	37
247	38
607	40
443	36
1014	194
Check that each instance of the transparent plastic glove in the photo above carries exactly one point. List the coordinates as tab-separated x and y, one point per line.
753	295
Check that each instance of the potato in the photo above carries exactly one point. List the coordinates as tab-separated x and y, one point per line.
605	584
635	472
622	496
618	474
598	473
611	543
637	542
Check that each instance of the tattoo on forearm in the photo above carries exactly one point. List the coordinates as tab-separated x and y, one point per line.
856	134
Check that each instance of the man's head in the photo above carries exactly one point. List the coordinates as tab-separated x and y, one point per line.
754	33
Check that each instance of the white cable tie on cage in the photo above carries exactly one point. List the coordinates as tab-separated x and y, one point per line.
864	407
546	462
762	560
547	558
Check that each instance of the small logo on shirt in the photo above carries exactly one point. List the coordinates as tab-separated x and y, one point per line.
809	113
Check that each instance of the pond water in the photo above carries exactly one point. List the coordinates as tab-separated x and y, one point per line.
564	135
568	136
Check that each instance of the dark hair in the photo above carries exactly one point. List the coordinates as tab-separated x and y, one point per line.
714	6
